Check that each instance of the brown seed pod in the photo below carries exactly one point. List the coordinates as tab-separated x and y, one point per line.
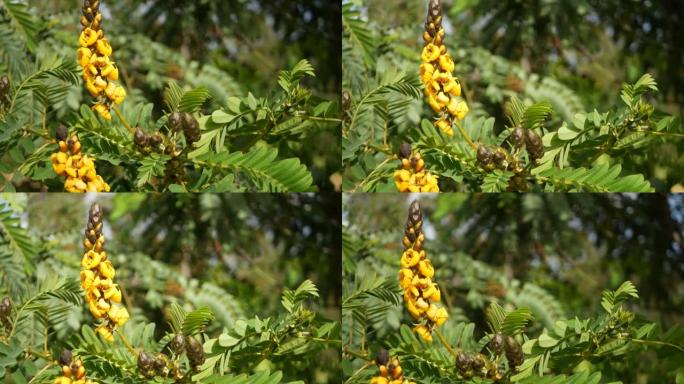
156	140
65	357
175	122
518	137
346	100
484	155
177	344
4	86
514	353
140	139
191	129
160	363
534	145
383	357
61	133
145	364
195	351
405	150
479	362
463	362
496	344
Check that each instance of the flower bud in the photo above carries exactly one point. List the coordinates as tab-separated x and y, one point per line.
65	357
175	122
514	353
518	137
177	344
383	357
463	362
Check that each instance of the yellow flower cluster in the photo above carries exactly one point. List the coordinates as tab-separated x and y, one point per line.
79	169
97	274
421	293
99	72
412	177
72	372
390	370
442	89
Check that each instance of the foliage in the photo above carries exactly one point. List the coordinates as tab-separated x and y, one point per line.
565	338
251	140
245	338
614	148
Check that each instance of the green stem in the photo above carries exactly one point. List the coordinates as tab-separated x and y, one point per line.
446	344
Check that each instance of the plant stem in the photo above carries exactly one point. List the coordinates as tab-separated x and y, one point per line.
368	363
123	120
443	340
45	368
465	134
126	343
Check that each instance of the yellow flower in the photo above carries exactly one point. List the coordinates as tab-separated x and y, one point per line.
453	88
117	95
88	37
92	294
63	380
405	277
110	72
409	258
426	269
104	49
84	55
414	311
91	260
105	332
379	380
113	293
103	110
458	108
430	53
446	63
423	332
95	310
426	71
434	104
87	278
119	315
106	269
445	126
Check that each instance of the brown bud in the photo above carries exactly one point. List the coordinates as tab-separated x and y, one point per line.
497	344
534	145
65	357
346	100
405	150
62	133
195	351
160	363
140	139
463	362
518	137
4	85
479	362
175	122
145	362
514	353
191	128
177	344
484	155
383	357
499	156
